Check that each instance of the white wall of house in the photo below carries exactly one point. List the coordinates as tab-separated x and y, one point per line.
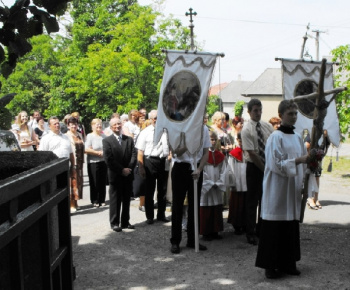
229	108
270	107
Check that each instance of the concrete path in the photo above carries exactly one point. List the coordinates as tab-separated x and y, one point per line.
140	258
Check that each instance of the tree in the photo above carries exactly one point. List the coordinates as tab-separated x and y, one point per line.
213	104
17	28
342	78
114	62
31	79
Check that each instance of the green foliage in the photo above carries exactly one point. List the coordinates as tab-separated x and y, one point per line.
31	78
21	22
112	62
213	104
239	108
342	78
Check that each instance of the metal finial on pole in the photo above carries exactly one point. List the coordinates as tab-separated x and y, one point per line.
191	25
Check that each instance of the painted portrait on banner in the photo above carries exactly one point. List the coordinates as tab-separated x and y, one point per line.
181	96
306	87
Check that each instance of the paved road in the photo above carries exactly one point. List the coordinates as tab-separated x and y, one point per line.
105	259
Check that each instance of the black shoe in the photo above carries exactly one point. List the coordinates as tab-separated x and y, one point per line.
175	249
201	247
149	221
129	226
252	241
238	231
142	208
272	274
216	236
163	219
116	228
293	272
207	238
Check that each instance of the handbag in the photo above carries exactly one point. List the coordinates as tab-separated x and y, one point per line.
230	179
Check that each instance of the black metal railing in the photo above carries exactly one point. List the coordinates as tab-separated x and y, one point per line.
35	229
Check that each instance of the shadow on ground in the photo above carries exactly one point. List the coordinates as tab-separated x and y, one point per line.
141	259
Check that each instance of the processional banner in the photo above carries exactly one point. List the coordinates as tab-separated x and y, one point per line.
302	78
183	97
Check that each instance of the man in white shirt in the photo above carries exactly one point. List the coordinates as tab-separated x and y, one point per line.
34	122
151	161
254	150
182	176
57	142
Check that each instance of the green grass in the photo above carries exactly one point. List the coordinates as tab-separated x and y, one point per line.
339	168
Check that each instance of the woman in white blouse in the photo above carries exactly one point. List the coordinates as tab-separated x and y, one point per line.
97	169
27	137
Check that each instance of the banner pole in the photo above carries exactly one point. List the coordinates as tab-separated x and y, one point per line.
195	189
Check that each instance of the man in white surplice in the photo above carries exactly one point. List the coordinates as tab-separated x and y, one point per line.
279	244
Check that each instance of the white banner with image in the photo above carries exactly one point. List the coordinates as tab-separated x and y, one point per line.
183	97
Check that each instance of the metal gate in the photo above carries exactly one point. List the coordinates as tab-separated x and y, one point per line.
35	229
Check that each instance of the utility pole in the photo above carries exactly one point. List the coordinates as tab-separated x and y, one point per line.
304	42
317	42
191	25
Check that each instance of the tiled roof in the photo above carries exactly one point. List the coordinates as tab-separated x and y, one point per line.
233	92
268	83
214	90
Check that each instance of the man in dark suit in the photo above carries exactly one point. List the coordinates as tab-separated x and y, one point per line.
120	156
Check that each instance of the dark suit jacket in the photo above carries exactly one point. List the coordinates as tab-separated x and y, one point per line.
119	156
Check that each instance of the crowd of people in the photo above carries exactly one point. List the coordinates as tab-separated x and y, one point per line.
259	165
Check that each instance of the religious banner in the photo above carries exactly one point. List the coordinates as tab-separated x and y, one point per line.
183	97
302	78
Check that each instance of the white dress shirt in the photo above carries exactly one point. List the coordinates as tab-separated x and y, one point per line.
145	143
57	143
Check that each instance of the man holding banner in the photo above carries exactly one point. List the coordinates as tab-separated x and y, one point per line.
182	176
181	108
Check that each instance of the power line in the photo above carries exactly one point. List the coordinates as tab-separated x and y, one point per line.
263	22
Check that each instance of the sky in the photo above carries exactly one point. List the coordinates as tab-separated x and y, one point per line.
252	33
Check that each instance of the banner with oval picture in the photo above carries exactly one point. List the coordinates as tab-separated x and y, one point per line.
183	97
301	78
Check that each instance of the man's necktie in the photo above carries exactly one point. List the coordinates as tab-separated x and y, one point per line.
120	140
261	144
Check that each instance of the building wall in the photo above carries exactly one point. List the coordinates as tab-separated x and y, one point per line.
270	107
229	108
269	110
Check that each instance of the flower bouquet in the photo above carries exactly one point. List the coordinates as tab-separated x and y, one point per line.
314	160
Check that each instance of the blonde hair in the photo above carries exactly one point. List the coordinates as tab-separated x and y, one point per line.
146	124
217	115
75	114
95	121
18	120
25	125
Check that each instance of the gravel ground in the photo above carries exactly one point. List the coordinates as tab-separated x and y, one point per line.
141	258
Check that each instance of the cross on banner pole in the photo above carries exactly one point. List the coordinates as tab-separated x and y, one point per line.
320	112
191	25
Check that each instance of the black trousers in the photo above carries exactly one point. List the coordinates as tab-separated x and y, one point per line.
279	245
253	198
97	172
182	183
155	174
119	195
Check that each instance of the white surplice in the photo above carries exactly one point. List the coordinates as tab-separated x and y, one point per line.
283	179
213	175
